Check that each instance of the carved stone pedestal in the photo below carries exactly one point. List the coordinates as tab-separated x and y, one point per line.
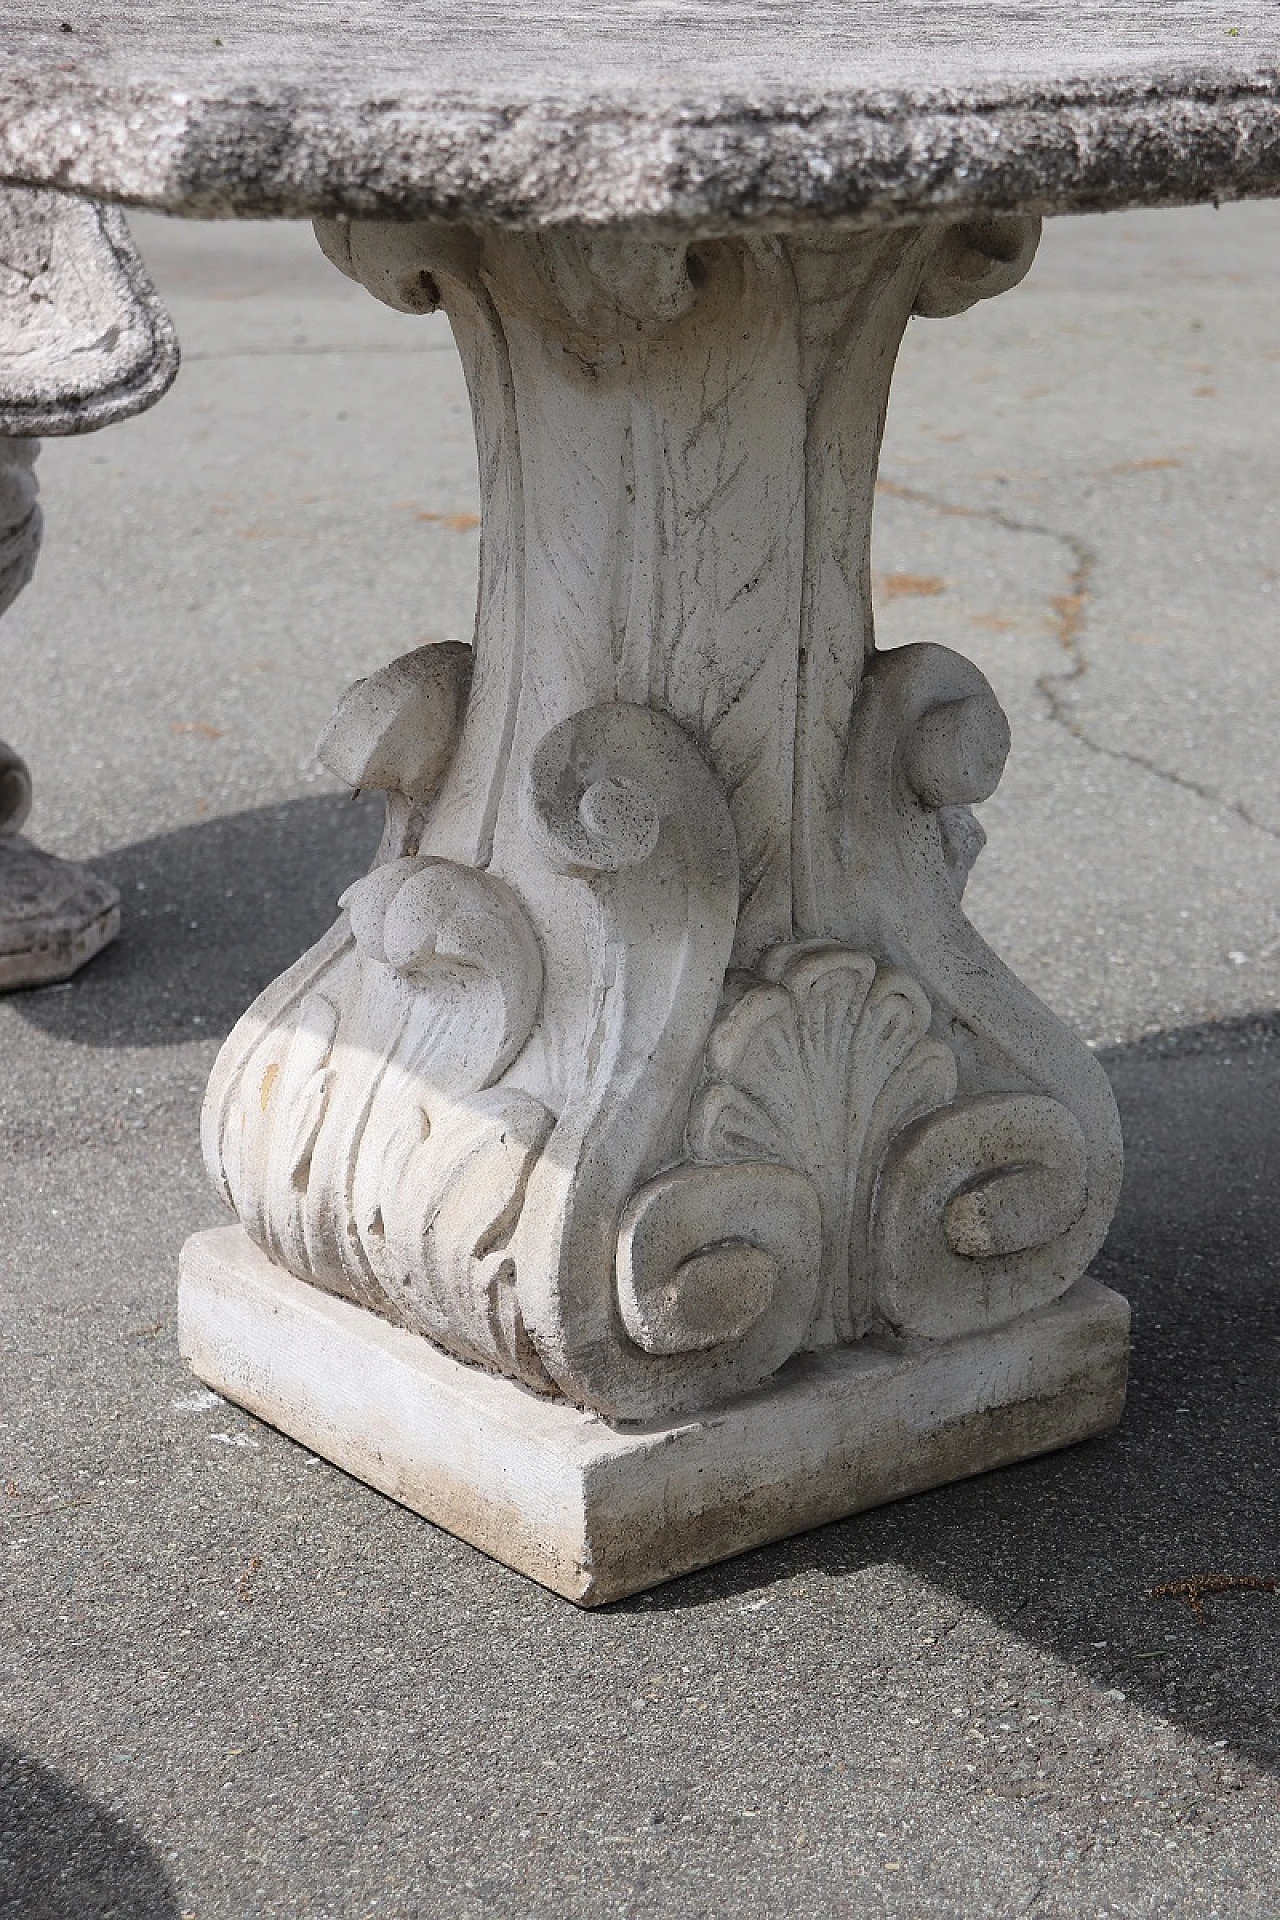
653	1084
84	342
595	1510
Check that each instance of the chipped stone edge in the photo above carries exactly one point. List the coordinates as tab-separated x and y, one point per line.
710	160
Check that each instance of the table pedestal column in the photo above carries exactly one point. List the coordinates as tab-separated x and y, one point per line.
652	1160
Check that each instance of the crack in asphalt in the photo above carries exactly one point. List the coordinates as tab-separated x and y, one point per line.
1070	611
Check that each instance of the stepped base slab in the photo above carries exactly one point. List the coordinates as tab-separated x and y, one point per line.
596	1512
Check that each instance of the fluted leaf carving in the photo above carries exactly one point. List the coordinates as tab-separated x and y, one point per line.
816	1068
369	1146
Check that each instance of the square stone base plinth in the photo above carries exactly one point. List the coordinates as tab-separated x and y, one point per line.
596	1512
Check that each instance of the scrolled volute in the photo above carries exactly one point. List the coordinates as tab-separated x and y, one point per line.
393	259
396	729
396	732
602	785
719	1257
996	1204
971	1204
426	918
974	260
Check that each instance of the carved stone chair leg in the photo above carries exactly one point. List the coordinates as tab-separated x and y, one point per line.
83	342
53	916
653	1160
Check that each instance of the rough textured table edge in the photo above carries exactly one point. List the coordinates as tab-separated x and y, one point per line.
596	1512
698	159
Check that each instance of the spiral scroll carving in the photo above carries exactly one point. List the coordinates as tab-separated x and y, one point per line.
974	1212
656	1049
722	1258
1034	1139
619	800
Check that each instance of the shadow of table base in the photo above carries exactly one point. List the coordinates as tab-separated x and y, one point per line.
1062	1551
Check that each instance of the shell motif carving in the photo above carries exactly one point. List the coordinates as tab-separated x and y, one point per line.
817	1068
937	1215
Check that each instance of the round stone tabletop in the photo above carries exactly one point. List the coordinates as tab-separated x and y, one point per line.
698	114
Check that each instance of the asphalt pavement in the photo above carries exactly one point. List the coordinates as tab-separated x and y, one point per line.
235	1683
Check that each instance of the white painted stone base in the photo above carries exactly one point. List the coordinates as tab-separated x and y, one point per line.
596	1512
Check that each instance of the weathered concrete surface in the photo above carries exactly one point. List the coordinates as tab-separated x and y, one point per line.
696	112
84	342
656	1051
597	1512
390	1724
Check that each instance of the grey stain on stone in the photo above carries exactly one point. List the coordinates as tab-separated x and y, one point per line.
695	114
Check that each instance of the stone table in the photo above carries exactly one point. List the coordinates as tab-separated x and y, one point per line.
652	1160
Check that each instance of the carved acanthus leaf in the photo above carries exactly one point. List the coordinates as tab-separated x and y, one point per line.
435	1203
368	1148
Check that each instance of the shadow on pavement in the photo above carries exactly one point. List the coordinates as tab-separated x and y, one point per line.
63	1857
211	914
1064	1551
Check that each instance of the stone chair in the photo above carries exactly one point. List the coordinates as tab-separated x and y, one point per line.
84	342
